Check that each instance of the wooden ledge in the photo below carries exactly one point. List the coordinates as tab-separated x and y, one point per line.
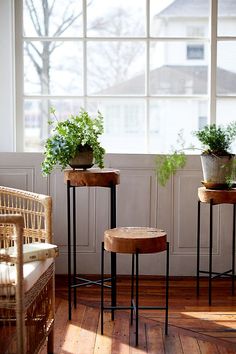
132	239
93	177
227	196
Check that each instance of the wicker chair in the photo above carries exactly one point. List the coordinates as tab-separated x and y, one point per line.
26	289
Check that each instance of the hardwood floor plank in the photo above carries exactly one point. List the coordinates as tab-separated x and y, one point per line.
155	342
189	345
61	320
120	338
142	339
103	343
172	344
223	350
88	331
208	347
194	327
71	342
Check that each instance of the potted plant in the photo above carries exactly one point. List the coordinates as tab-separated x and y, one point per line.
72	141
217	160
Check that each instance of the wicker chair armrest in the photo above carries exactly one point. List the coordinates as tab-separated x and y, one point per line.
36	209
17	221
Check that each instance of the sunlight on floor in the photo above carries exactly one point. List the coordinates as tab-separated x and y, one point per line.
71	340
221	318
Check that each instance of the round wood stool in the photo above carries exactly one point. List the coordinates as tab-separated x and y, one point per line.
135	241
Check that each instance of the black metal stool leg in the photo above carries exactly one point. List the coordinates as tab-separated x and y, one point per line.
74	243
167	287
210	254
113	255
198	245
233	249
69	250
137	303
113	284
102	283
132	291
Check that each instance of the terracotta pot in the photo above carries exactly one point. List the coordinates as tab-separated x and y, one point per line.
217	170
83	159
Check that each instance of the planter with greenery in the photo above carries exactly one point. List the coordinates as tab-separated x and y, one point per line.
216	142
70	138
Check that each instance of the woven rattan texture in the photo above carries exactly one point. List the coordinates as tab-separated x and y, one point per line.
26	319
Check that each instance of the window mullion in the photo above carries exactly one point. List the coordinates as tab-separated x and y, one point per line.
19	76
85	52
212	79
147	77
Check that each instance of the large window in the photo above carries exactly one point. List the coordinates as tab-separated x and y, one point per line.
127	59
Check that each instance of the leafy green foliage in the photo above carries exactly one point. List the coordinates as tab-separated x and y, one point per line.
217	140
68	135
167	165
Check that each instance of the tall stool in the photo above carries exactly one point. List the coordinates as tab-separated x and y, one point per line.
215	197
135	241
94	177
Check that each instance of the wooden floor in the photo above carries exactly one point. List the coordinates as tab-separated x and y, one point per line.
194	327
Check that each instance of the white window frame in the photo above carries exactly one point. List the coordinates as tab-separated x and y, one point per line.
7	77
211	97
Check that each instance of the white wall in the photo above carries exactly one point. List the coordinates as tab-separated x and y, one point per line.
6	76
140	202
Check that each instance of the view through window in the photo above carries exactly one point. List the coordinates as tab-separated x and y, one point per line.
143	63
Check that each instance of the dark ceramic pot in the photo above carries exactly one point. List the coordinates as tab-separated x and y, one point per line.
83	159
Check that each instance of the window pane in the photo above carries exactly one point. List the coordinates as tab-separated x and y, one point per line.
33	122
169	117
124	124
53	67
36	115
226	113
175	18
226	70
195	51
53	18
116	67
226	18
116	18
173	73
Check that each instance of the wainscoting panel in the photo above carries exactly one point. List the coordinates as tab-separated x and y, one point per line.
85	214
185	202
23	171
140	202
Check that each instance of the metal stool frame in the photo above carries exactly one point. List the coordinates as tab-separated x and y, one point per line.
74	281
134	306
212	275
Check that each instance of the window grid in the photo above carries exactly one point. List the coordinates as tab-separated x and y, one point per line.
211	97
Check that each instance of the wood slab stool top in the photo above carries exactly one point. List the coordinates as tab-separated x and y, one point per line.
135	239
93	177
218	196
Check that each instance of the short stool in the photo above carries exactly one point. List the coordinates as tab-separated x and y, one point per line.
135	241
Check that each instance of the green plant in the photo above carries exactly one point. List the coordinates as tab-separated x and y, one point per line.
215	140
68	135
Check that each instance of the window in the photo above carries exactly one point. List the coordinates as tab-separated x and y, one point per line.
202	122
141	63
195	31
202	115
195	51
